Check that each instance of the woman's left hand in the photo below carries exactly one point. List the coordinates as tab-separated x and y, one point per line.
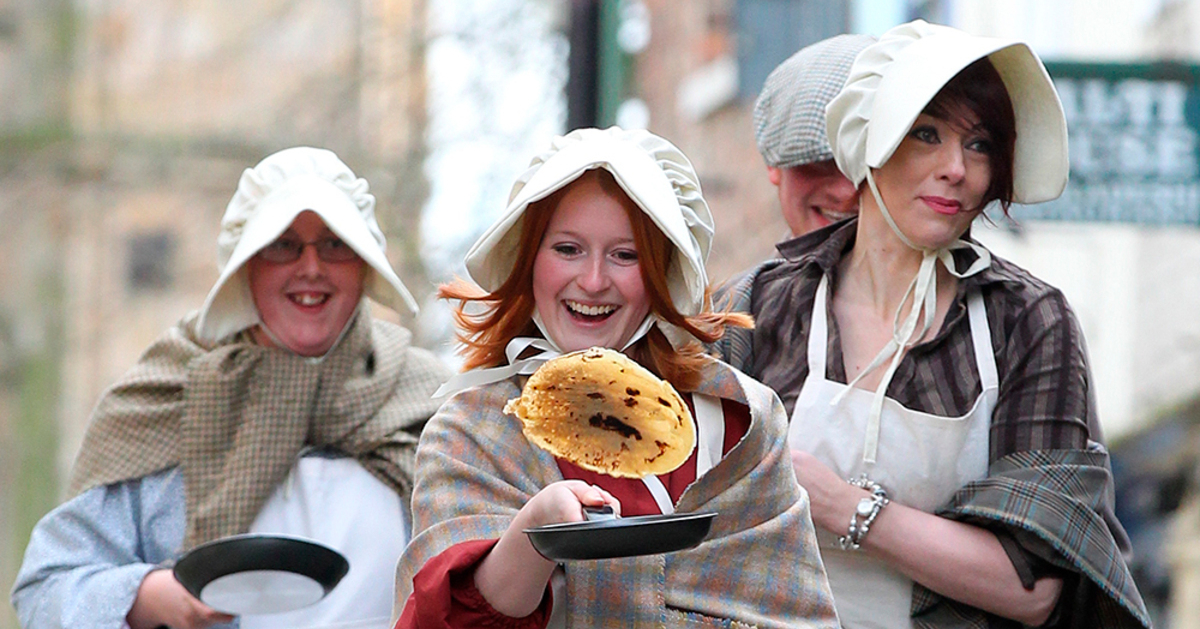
958	560
832	500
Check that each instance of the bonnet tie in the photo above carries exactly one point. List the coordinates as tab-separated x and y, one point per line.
923	290
547	349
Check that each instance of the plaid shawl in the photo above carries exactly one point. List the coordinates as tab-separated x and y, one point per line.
1051	501
236	417
759	566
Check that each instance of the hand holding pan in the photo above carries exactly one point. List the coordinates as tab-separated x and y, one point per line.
260	574
604	536
606	413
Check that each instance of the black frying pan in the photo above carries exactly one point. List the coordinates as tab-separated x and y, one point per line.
607	537
260	574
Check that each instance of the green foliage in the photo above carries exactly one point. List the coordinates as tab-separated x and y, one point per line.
35	486
30	471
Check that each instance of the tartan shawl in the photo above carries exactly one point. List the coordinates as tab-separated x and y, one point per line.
1052	503
758	567
236	416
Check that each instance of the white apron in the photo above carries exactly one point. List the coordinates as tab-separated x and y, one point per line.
922	459
337	502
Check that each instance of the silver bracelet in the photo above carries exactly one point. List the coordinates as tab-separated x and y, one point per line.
867	510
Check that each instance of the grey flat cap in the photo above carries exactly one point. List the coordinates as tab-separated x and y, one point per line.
789	115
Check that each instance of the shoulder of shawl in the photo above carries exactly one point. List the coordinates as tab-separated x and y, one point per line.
390	334
480	405
417	364
728	383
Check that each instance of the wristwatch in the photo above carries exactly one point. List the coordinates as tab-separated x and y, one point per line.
865	513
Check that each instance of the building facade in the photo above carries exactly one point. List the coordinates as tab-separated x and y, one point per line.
124	127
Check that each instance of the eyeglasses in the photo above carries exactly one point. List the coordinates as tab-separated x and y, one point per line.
286	250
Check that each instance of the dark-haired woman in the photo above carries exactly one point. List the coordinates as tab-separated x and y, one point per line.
942	419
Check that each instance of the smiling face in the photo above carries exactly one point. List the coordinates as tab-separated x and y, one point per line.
587	283
305	303
935	183
812	196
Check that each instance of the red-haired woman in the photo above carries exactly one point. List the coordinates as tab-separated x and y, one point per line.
603	244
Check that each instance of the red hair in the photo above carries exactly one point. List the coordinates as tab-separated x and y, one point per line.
488	321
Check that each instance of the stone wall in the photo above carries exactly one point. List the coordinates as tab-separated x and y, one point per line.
687	40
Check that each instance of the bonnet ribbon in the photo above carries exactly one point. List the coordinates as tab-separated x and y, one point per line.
923	290
313	360
523	366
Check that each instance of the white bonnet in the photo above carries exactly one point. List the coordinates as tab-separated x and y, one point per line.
893	80
268	198
653	172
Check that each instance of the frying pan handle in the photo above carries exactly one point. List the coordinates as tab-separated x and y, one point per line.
594	514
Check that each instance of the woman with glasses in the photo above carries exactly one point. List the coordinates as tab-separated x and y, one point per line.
281	406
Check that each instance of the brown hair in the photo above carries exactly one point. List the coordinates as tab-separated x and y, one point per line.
488	321
978	89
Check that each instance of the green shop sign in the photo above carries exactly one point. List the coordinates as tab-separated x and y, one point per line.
1134	133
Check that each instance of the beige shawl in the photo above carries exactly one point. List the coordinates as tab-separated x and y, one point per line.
235	417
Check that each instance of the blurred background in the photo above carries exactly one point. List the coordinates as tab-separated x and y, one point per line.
125	124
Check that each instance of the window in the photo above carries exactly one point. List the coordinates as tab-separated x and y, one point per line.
151	259
769	31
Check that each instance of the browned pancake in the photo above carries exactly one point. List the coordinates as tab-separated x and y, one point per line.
604	412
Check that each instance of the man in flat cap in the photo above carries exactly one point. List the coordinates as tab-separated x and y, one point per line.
789	127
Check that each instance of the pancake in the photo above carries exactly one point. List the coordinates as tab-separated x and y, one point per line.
606	413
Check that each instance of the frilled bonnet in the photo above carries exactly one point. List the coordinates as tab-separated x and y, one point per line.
653	172
269	196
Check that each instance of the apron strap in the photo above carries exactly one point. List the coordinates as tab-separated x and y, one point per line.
710	424
818	336
710	439
659	491
985	358
558	605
